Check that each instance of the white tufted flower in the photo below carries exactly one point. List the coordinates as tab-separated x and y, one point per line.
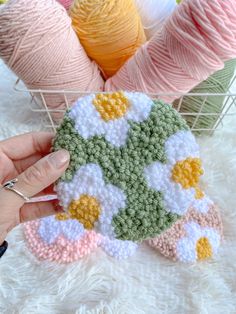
51	228
178	179
199	244
87	198
108	115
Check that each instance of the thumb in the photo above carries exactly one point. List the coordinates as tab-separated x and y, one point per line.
42	174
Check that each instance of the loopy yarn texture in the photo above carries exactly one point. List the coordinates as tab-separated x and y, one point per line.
110	31
194	238
39	44
64	240
59	241
134	174
194	43
134	169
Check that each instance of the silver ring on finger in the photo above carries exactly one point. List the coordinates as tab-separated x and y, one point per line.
9	185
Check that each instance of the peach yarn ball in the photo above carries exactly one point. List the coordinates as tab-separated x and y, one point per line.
109	30
39	44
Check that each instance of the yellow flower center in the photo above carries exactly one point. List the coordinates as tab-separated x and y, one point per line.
203	248
62	216
187	173
86	210
111	106
199	193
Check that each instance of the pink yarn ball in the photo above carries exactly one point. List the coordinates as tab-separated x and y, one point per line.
40	46
193	44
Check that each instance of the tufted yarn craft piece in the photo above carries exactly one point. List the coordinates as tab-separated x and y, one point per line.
63	240
154	13
109	30
210	108
134	169
194	238
40	46
194	43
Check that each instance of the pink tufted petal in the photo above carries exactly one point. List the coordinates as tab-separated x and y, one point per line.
62	249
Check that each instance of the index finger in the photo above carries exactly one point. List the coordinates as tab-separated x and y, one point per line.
25	145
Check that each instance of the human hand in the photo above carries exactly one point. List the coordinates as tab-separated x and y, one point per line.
26	157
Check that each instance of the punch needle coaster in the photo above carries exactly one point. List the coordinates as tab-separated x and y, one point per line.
134	175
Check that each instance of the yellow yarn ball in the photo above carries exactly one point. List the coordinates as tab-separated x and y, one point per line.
110	31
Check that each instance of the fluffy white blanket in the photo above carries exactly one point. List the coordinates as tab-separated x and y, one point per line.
146	282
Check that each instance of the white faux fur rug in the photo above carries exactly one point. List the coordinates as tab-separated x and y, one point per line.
146	282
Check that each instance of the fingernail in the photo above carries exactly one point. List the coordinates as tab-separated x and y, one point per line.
59	158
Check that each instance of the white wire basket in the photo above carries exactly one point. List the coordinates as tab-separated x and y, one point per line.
38	103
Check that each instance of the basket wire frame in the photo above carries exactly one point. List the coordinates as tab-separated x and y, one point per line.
38	104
